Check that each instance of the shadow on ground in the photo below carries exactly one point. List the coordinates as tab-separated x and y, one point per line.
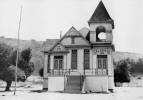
38	91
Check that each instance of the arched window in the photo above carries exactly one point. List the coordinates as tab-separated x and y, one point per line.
99	30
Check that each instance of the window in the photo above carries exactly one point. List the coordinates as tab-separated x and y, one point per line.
58	48
99	36
102	61
73	40
74	59
86	58
48	69
58	62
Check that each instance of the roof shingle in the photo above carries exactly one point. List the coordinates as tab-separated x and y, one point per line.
100	14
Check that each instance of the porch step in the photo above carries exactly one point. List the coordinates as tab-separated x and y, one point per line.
74	84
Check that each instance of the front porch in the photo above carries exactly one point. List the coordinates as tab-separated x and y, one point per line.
85	72
73	81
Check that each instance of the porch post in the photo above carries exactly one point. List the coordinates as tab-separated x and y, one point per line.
51	62
45	65
45	74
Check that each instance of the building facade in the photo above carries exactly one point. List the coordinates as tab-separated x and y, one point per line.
81	61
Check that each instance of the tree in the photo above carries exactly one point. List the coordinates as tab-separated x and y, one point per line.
121	72
26	55
41	72
5	51
137	67
8	75
24	62
7	72
8	62
12	58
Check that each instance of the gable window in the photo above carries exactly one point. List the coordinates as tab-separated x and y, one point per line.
102	61
73	40
86	58
58	48
74	59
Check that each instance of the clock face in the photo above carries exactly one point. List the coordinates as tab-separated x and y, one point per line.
102	36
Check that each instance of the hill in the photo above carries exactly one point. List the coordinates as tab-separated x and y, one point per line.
38	46
117	56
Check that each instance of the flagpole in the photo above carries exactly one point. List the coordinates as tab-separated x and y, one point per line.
17	51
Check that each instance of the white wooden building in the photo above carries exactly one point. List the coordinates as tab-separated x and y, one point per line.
82	61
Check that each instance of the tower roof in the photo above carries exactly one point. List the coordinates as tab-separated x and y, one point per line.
100	14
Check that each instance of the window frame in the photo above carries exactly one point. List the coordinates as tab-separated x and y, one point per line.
72	40
48	65
74	59
102	61
58	62
86	59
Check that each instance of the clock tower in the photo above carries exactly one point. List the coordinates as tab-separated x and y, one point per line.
101	26
101	38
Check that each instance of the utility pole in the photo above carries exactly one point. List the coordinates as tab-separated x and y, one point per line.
17	51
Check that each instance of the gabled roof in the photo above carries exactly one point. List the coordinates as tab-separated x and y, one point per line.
48	44
100	14
74	32
84	31
59	47
71	32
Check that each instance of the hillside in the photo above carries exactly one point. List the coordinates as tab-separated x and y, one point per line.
38	46
117	56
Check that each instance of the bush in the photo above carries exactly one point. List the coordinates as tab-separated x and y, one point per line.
137	67
121	72
41	72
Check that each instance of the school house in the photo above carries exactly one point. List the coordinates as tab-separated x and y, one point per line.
81	61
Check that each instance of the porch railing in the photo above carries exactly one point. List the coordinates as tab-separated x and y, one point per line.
86	72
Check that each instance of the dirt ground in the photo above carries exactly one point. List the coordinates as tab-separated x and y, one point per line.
32	90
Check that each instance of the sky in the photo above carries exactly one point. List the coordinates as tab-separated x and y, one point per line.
45	19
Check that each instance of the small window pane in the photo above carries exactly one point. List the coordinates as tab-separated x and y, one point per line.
104	63
99	63
61	64
56	64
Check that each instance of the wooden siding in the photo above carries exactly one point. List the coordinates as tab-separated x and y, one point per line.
77	41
